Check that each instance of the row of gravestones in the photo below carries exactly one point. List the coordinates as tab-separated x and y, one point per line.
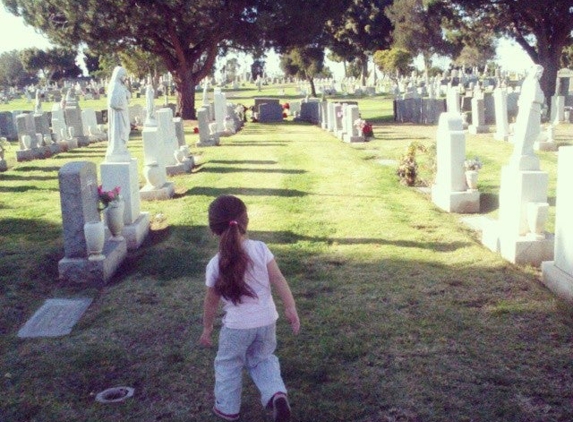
218	118
43	134
519	234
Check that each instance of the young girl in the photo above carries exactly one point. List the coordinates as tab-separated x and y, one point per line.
240	276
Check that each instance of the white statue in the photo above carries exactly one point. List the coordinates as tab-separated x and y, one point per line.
528	121
118	117
150	104
38	105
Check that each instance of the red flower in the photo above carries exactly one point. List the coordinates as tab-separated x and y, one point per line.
286	106
285	115
195	129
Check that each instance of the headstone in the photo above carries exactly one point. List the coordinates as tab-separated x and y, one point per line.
157	186
79	202
55	318
7	127
91	128
205	136
352	115
501	119
270	112
453	101
522	184
478	117
450	191
167	135
557	275
220	109
73	117
179	132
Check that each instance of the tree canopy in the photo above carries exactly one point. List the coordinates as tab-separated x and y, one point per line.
52	64
12	72
542	28
304	62
187	34
362	29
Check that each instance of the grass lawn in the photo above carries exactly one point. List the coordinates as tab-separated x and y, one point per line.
405	315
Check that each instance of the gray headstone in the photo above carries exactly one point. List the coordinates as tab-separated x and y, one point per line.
270	112
55	318
79	202
7	127
310	112
179	131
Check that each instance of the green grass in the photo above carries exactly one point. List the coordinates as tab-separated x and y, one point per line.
405	316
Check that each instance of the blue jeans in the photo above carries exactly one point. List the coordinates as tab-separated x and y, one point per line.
251	349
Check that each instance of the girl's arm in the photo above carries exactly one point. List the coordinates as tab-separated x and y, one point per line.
280	283
209	311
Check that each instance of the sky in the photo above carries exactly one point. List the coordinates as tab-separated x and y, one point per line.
510	56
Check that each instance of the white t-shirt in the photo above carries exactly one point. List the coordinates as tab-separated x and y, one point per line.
252	312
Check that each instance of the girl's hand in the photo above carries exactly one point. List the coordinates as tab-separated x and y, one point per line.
205	339
292	316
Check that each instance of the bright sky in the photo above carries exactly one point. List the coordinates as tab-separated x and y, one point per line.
17	36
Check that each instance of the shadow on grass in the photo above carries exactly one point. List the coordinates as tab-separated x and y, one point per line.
22	177
255	144
214	192
37	168
25	188
254	162
207	169
286	237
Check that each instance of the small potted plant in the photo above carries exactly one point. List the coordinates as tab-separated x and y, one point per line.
472	167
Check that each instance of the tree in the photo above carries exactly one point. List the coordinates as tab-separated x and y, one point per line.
141	63
362	29
542	28
304	62
257	69
186	34
12	72
418	29
56	63
393	62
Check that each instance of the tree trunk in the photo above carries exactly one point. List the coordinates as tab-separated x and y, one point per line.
185	87
312	88
364	73
550	61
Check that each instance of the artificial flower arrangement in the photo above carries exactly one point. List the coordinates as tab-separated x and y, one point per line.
473	164
106	197
364	128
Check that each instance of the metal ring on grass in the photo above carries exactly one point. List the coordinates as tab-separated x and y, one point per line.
115	394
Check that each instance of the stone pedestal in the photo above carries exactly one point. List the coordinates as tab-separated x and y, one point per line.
126	177
510	235
94	273
450	191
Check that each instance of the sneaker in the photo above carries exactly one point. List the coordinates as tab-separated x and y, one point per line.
224	415
281	408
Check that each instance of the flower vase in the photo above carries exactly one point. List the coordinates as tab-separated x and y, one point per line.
152	174
94	232
114	218
472	179
537	213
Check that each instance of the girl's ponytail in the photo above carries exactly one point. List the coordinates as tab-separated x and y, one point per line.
228	219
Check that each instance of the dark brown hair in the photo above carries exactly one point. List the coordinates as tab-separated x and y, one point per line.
228	219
